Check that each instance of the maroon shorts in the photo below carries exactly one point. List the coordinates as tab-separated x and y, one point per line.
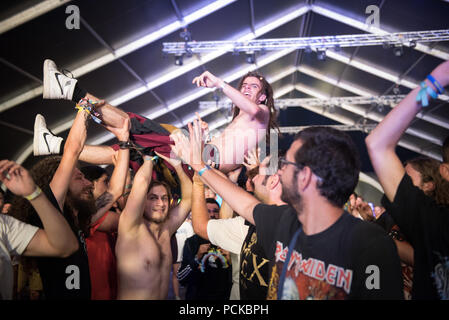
149	136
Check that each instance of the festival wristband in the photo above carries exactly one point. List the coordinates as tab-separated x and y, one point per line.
207	167
37	192
436	84
422	94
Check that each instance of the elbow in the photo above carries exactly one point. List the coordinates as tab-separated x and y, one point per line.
201	230
69	249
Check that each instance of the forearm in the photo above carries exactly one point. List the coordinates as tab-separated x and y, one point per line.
238	199
200	217
226	211
119	175
186	188
58	231
387	134
77	135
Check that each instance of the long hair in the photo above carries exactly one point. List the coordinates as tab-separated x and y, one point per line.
267	90
42	174
429	171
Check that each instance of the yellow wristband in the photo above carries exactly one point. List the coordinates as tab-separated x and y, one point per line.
37	192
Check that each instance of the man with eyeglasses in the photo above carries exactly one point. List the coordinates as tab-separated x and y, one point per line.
318	250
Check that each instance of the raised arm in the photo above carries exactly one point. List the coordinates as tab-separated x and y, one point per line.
56	239
118	179
178	214
207	79
239	200
200	216
382	141
132	215
72	149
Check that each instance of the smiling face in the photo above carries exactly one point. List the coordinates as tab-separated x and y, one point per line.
156	205
251	88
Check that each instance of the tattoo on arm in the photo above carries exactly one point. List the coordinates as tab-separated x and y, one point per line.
103	200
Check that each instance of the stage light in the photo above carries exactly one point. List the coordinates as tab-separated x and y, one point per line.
250	57
396	90
321	55
398	51
178	60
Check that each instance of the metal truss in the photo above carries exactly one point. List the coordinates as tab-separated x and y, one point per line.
325	42
341	127
390	100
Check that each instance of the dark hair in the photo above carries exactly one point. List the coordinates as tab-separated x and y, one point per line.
429	171
213	201
93	173
446	150
332	155
269	102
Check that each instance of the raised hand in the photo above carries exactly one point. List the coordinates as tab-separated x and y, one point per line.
208	80
175	162
16	178
252	159
189	150
121	133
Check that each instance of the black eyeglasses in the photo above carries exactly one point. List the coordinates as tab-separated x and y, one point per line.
283	162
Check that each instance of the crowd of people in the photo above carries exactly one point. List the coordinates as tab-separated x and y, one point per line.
288	227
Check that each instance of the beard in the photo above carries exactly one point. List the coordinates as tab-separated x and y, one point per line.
157	219
291	196
83	208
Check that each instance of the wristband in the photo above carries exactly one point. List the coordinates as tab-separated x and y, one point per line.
422	94
207	167
37	192
125	144
436	84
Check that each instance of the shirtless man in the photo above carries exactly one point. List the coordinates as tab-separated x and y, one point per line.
146	225
254	113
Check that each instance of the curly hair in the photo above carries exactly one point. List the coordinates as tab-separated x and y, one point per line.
42	173
429	170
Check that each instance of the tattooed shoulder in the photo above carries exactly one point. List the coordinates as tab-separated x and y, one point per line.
103	200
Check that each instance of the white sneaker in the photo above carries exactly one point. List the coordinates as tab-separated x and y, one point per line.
44	141
56	84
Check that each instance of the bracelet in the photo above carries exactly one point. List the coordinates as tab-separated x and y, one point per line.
125	144
436	84
422	94
37	192
207	167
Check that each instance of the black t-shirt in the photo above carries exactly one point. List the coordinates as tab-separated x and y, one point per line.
426	226
65	278
254	268
352	259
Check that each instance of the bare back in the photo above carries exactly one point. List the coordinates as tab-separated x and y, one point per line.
144	260
243	134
